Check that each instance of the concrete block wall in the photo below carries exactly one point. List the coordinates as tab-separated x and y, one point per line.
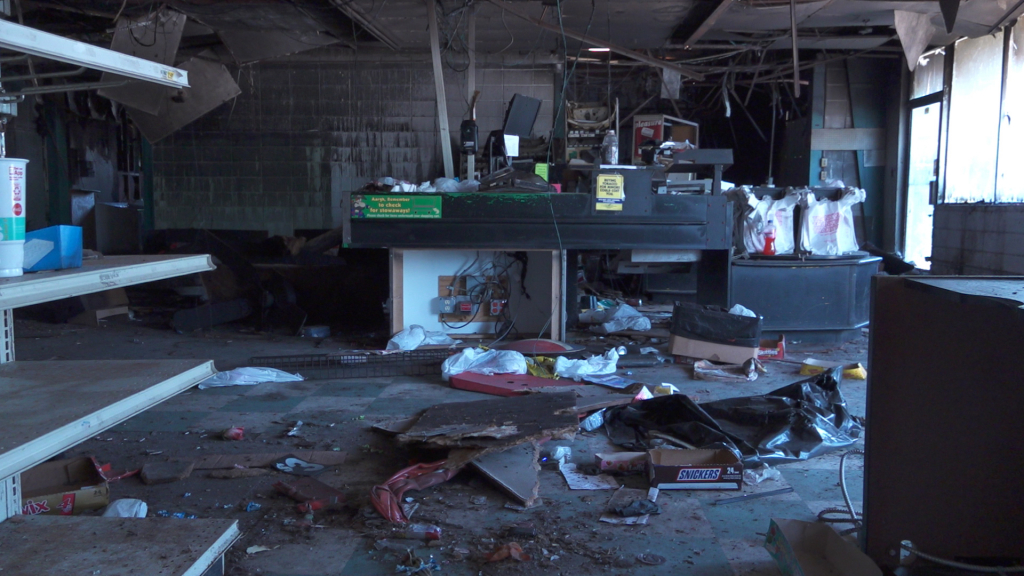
978	239
497	86
278	156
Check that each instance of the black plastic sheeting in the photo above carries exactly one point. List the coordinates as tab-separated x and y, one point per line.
796	422
715	324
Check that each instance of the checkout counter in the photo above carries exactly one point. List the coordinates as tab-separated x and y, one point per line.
621	207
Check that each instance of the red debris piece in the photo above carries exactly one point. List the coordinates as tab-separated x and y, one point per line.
511	550
387	497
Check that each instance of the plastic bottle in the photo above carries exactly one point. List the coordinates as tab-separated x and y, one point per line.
610	148
769	239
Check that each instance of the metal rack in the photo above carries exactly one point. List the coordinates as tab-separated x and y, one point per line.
48	407
358	364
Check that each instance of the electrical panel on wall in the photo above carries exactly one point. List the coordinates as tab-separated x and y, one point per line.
468	299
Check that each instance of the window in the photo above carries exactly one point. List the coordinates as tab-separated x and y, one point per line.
974	120
1010	183
928	74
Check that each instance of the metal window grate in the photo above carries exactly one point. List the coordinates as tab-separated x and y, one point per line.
357	364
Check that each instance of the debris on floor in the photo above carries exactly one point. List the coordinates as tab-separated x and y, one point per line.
166	472
387	497
511	550
514	471
493	425
799	421
631	506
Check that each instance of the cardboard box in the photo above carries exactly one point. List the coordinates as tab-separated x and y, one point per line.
53	248
815	549
621	461
682	346
812	367
772	349
694	469
63	487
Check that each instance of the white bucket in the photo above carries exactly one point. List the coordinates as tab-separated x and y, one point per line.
12	216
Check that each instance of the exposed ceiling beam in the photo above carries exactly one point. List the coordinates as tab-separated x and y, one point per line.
688	72
707	23
45	45
349	8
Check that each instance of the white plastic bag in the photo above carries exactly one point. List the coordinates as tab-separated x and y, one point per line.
780	212
622	317
404	186
480	361
415	336
446	185
576	369
248	376
826	227
741	310
126	508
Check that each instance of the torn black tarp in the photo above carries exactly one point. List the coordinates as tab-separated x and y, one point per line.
796	422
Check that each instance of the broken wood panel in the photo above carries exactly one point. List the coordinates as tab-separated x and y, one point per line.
514	471
122	546
533	416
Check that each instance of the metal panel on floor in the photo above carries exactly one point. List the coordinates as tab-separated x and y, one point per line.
121	545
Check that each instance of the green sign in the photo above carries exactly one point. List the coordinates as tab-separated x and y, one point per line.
383	206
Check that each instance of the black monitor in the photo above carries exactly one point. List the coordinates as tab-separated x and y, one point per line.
521	114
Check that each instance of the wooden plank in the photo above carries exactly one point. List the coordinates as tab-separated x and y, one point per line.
50	406
61	545
95	276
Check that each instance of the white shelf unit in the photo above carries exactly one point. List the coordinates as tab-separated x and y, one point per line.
48	407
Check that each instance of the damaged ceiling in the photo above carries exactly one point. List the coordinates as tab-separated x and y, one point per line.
740	39
243	31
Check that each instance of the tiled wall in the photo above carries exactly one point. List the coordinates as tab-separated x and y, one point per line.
978	239
278	157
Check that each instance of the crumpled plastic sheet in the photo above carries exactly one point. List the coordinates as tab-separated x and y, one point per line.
415	336
799	421
387	497
248	376
480	361
595	365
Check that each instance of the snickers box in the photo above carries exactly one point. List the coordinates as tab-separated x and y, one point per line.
694	469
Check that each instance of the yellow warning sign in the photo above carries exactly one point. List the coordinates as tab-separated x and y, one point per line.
610	192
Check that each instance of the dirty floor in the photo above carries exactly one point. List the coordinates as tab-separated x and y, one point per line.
693	534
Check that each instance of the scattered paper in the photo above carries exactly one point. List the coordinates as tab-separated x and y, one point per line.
609	380
255	549
579	481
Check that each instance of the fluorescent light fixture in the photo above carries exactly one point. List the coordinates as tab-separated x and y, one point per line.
599	49
45	45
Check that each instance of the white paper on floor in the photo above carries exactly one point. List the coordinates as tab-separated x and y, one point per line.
579	481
